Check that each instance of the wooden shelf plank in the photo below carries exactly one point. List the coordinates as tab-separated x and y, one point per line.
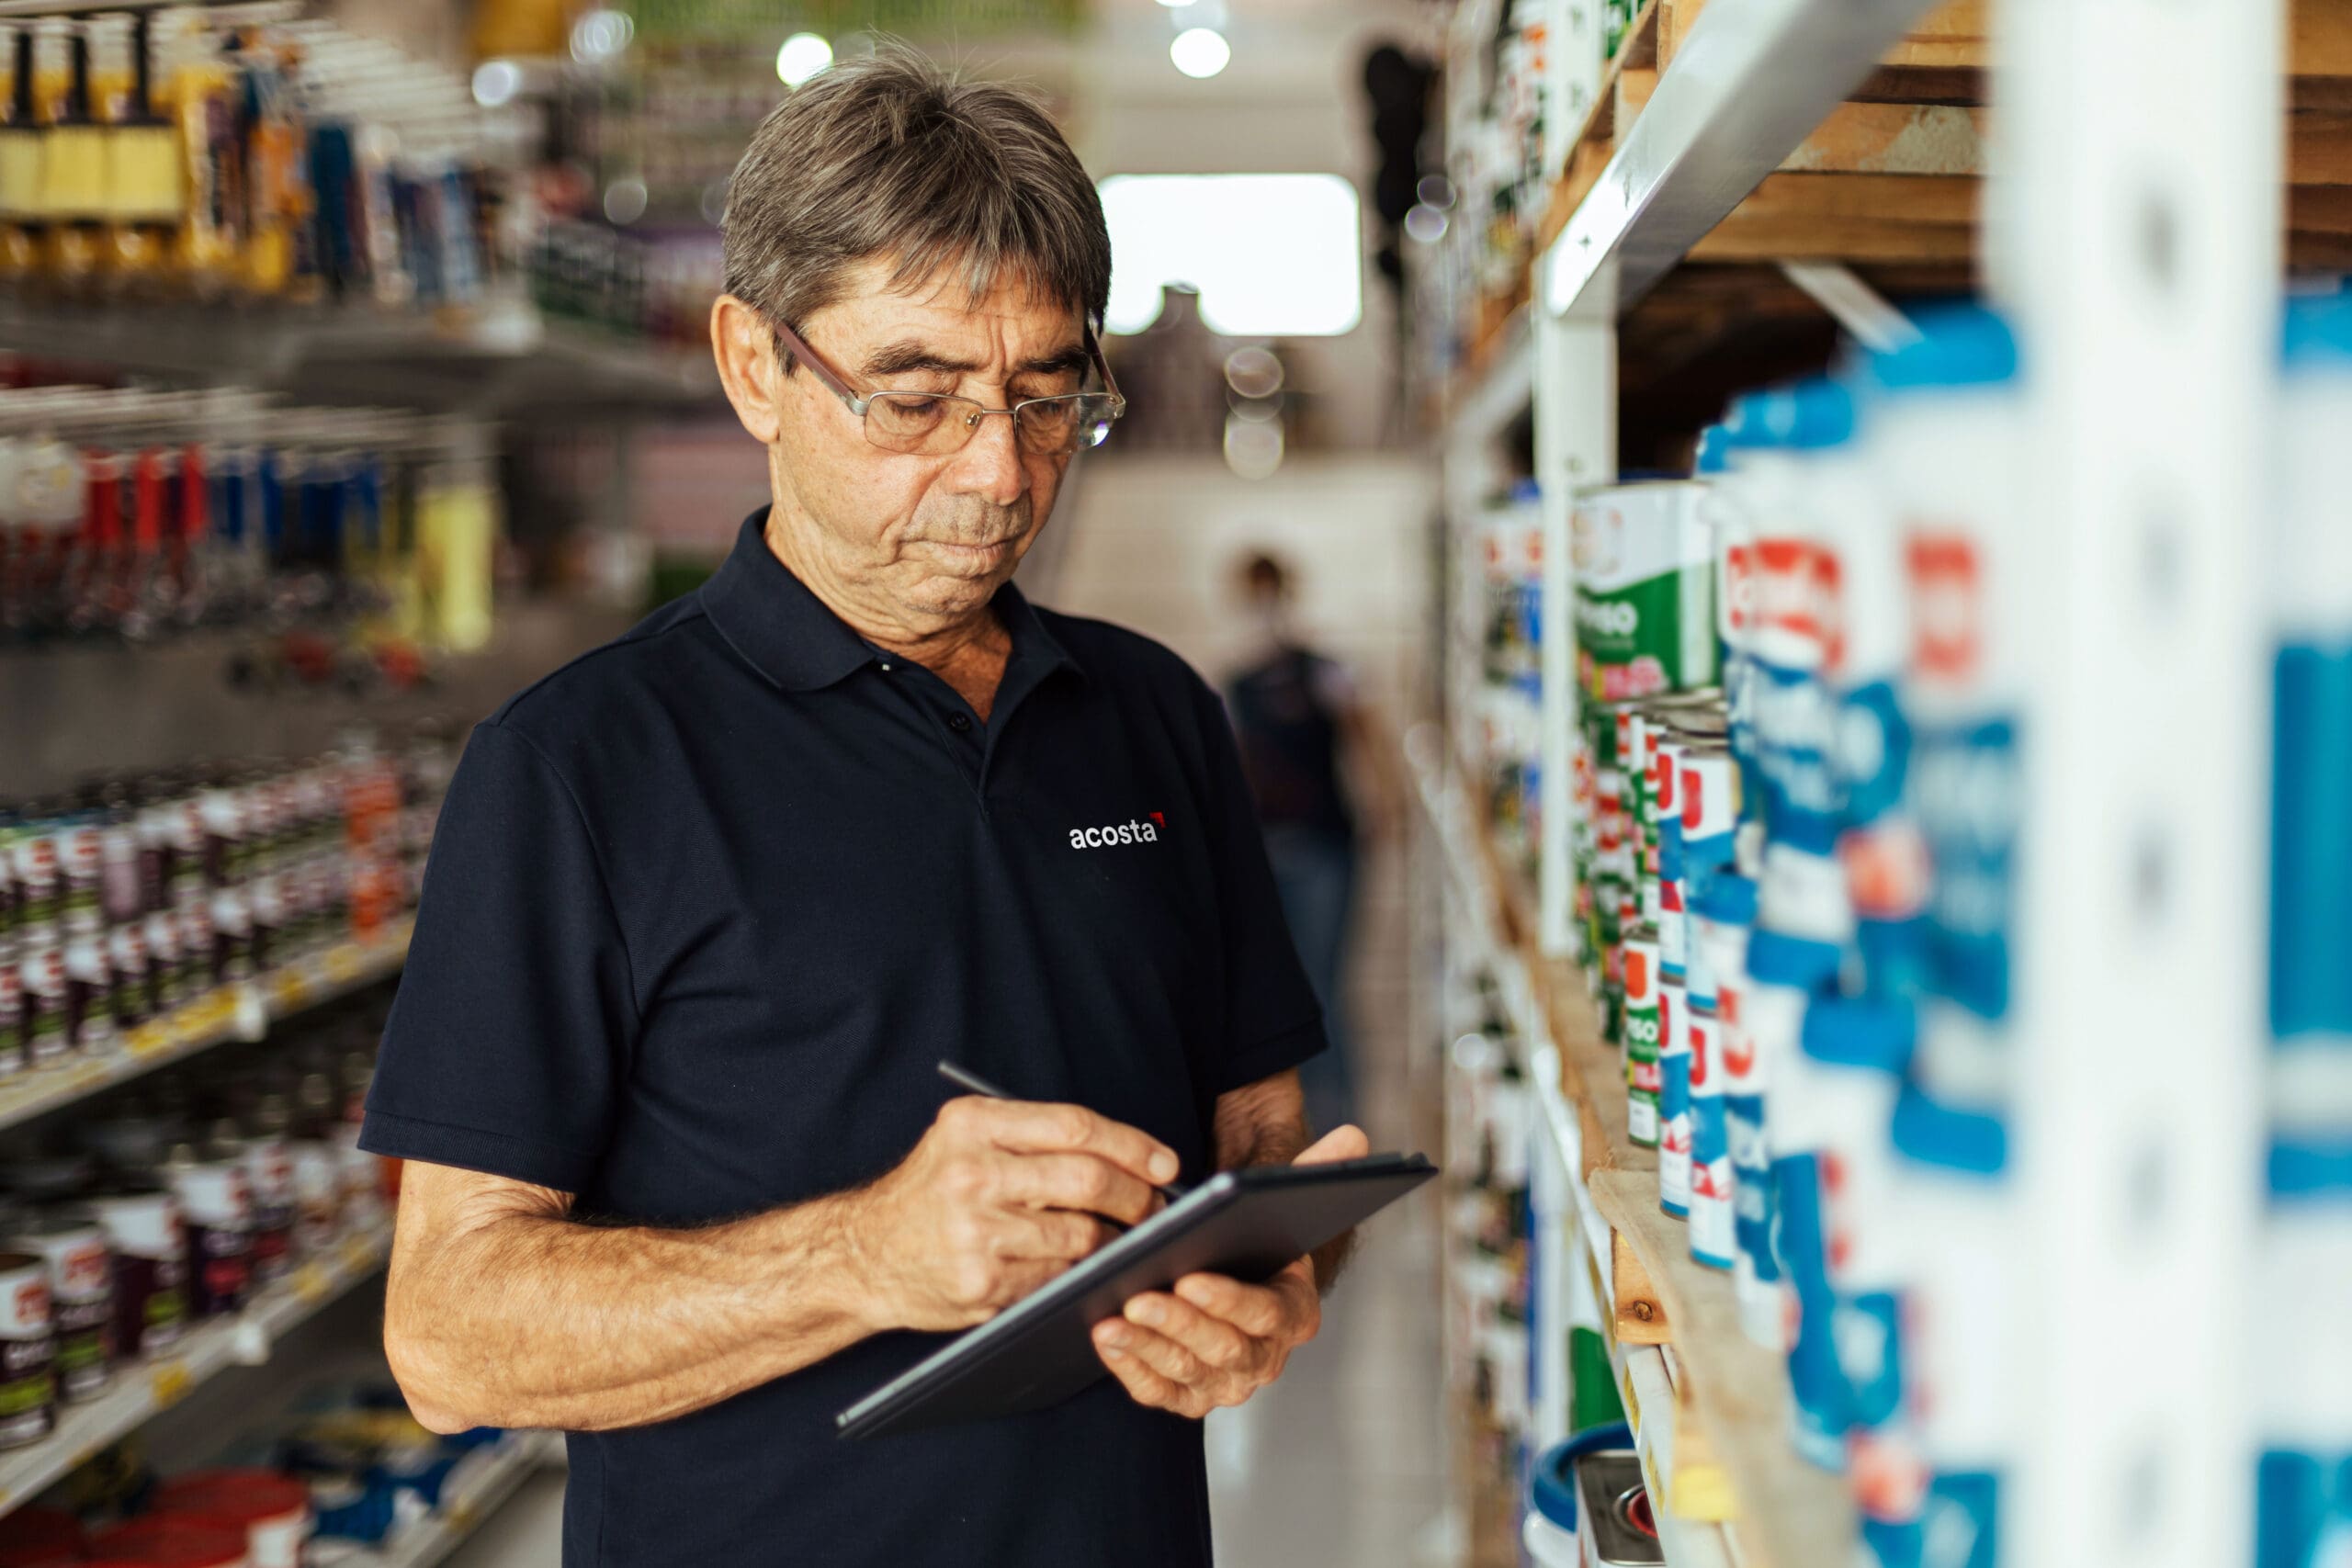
1784	1513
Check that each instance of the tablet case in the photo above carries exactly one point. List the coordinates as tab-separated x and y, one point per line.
1248	1223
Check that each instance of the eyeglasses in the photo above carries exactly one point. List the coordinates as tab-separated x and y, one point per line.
933	425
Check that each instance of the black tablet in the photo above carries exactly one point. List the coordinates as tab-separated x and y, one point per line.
1246	1224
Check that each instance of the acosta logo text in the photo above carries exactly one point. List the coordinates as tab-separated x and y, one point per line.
1117	833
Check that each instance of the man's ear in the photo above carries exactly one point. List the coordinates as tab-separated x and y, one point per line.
745	346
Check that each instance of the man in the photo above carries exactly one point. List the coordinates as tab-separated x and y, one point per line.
707	906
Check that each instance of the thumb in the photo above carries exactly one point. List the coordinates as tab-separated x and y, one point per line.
1343	1141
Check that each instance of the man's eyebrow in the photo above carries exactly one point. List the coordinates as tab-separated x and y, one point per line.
1074	357
910	354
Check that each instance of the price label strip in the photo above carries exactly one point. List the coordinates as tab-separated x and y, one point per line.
170	1382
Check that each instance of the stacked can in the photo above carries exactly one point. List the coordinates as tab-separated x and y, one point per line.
1943	440
1674	995
1796	499
1833	1172
1724	915
1732	557
1707	802
2303	1501
1784	974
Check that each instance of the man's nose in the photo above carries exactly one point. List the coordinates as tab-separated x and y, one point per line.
990	466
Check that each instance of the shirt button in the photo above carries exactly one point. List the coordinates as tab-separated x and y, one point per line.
958	722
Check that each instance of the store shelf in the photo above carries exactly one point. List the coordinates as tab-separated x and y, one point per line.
228	1012
1741	92
1849	131
1714	1420
141	1391
462	1511
500	356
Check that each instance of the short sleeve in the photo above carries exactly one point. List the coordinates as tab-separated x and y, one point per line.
511	1032
1272	1021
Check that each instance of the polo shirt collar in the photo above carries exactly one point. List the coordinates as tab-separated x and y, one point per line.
782	630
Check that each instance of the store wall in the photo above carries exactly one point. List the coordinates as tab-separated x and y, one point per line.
1152	543
1292	102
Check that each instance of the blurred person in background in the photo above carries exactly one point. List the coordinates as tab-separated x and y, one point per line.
1326	780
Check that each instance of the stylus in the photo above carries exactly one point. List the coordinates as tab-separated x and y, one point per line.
961	1078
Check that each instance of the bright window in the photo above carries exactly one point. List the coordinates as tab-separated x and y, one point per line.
1273	255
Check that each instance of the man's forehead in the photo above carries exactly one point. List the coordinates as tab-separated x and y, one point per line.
944	305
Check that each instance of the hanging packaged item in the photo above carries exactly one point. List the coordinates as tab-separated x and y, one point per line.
73	168
144	200
201	95
22	138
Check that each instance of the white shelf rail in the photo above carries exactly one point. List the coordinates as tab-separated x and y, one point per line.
1750	83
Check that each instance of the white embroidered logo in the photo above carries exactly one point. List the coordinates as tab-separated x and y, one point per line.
1128	832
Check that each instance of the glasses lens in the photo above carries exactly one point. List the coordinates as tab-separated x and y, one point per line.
1052	426
911	422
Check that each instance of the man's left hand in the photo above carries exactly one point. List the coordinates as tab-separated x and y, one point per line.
1214	1341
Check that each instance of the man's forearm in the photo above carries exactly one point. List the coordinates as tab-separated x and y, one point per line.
527	1318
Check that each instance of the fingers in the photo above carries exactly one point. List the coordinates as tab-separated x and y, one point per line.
1054	1235
1255	1310
1213	1343
1028	1127
1083	1182
1344	1142
1145	1386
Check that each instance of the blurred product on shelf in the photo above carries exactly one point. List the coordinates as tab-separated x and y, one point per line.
1488	1133
655	286
164	1207
172	154
135	515
1645	591
2303	1497
1797	904
344	1475
138	903
1504	648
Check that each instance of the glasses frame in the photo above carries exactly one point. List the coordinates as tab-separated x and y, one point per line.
857	403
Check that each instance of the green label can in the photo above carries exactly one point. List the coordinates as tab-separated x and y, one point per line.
1644	595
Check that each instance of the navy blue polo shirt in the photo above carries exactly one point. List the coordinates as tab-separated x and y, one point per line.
705	908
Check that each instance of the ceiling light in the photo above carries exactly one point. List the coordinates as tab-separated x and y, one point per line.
1200	52
601	34
802	56
496	82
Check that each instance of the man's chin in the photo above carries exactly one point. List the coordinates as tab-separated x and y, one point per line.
950	595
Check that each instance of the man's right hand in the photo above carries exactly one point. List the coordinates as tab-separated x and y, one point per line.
999	1196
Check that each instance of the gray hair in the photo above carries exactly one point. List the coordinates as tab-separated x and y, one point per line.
894	157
